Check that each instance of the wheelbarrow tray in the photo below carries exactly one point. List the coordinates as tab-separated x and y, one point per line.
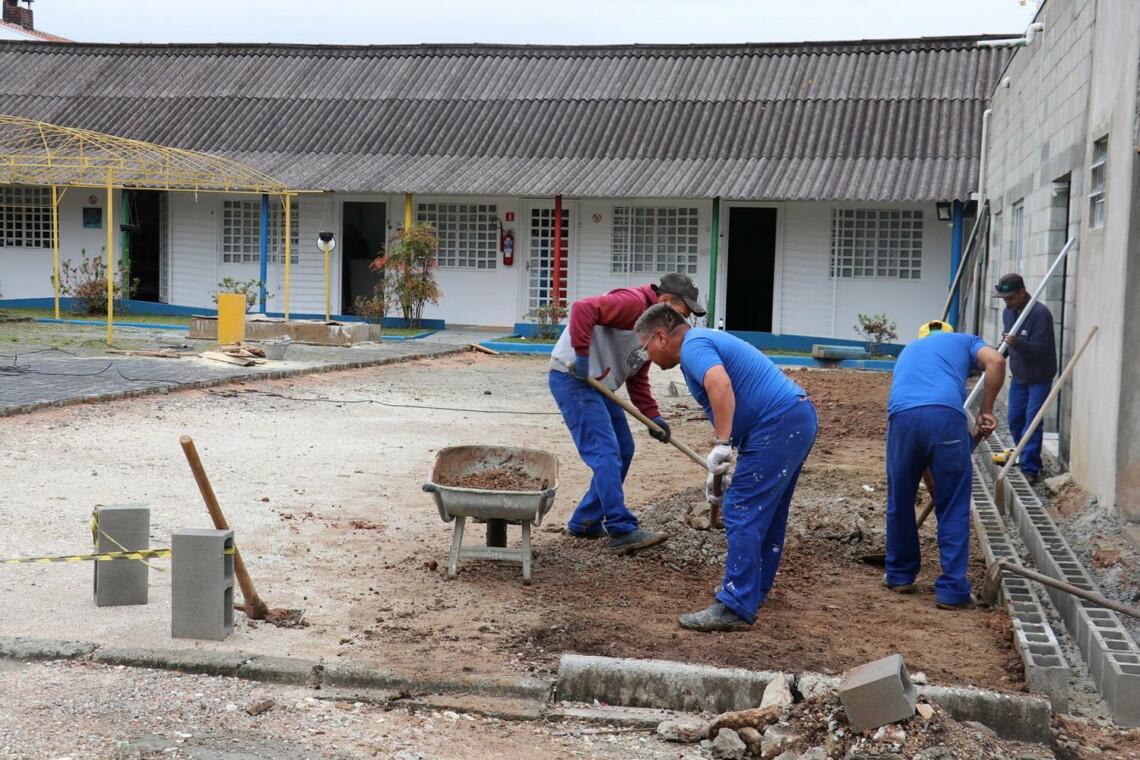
495	507
460	461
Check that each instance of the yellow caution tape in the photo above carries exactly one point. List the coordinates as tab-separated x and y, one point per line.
102	557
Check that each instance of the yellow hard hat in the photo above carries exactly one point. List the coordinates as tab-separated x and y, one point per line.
934	325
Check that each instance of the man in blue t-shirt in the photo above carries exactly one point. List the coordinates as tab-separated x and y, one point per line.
928	426
1032	365
753	406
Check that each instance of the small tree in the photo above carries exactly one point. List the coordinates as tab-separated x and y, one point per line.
407	271
546	319
876	329
251	289
86	283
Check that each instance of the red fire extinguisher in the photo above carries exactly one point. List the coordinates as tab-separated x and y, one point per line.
507	246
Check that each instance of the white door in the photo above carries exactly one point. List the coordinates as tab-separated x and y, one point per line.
539	252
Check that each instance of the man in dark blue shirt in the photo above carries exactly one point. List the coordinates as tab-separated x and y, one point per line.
1032	362
928	427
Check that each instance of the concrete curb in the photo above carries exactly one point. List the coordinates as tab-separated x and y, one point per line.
696	688
635	692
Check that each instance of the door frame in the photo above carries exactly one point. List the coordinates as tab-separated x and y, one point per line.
522	246
725	251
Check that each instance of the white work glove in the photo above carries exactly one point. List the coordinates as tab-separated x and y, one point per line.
717	498
719	459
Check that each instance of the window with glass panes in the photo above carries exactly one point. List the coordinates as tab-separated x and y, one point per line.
1098	169
654	239
25	217
468	233
881	243
241	232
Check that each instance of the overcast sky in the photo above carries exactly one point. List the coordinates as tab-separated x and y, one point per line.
381	22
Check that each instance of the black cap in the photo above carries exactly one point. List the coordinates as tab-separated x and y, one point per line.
682	286
1008	284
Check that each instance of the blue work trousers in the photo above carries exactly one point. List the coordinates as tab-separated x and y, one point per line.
755	509
937	437
1024	403
601	432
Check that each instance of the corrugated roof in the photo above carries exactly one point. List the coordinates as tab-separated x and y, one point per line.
889	120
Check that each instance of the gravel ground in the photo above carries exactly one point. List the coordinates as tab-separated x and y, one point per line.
72	711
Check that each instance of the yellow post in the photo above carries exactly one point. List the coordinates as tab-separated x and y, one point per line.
328	316
407	211
110	253
55	244
288	253
231	318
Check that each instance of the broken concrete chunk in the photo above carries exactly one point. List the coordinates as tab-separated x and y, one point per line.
685	731
728	745
777	693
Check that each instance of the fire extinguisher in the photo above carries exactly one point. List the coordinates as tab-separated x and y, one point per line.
507	246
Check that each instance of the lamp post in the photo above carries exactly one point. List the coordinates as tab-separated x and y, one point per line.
326	243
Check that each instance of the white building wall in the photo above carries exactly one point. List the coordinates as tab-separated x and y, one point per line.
815	304
195	226
27	272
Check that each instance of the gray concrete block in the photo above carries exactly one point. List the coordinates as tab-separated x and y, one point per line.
877	693
1121	687
660	684
121	527
202	584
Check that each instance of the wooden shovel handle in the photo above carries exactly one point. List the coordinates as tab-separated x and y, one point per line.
254	607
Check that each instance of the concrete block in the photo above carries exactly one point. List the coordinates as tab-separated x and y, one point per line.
1121	687
202	584
877	693
121	527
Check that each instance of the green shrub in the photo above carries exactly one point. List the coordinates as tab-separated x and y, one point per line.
876	329
251	289
547	318
86	283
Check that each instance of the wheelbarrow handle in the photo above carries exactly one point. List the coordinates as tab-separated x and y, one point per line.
636	414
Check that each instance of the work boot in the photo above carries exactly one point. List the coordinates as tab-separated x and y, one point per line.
718	617
969	604
898	588
624	543
591	534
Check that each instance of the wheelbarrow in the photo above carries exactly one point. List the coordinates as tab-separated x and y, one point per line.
497	508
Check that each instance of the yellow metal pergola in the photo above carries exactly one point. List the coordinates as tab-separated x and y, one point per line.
37	153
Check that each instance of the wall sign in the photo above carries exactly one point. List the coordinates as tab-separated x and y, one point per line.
597	218
93	218
92	200
510	216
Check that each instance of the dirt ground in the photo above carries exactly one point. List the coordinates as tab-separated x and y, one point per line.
321	477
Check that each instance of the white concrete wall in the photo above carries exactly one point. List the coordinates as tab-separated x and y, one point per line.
26	272
813	303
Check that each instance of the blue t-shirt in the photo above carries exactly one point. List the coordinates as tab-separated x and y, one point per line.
933	371
763	392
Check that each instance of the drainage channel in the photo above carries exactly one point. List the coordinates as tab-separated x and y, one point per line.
1107	648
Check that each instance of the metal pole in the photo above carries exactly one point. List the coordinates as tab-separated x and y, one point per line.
714	252
110	253
55	244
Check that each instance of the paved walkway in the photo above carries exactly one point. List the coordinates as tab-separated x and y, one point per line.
36	376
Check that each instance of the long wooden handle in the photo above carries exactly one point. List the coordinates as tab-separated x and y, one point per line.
653	426
254	607
1069	588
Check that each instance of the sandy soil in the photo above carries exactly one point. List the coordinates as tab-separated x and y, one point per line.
320	476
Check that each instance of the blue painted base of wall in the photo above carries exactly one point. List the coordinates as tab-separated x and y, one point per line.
151	307
787	361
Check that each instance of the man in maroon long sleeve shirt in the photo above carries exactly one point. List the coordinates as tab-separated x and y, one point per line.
599	341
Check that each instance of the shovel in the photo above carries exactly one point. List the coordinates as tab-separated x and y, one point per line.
928	479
